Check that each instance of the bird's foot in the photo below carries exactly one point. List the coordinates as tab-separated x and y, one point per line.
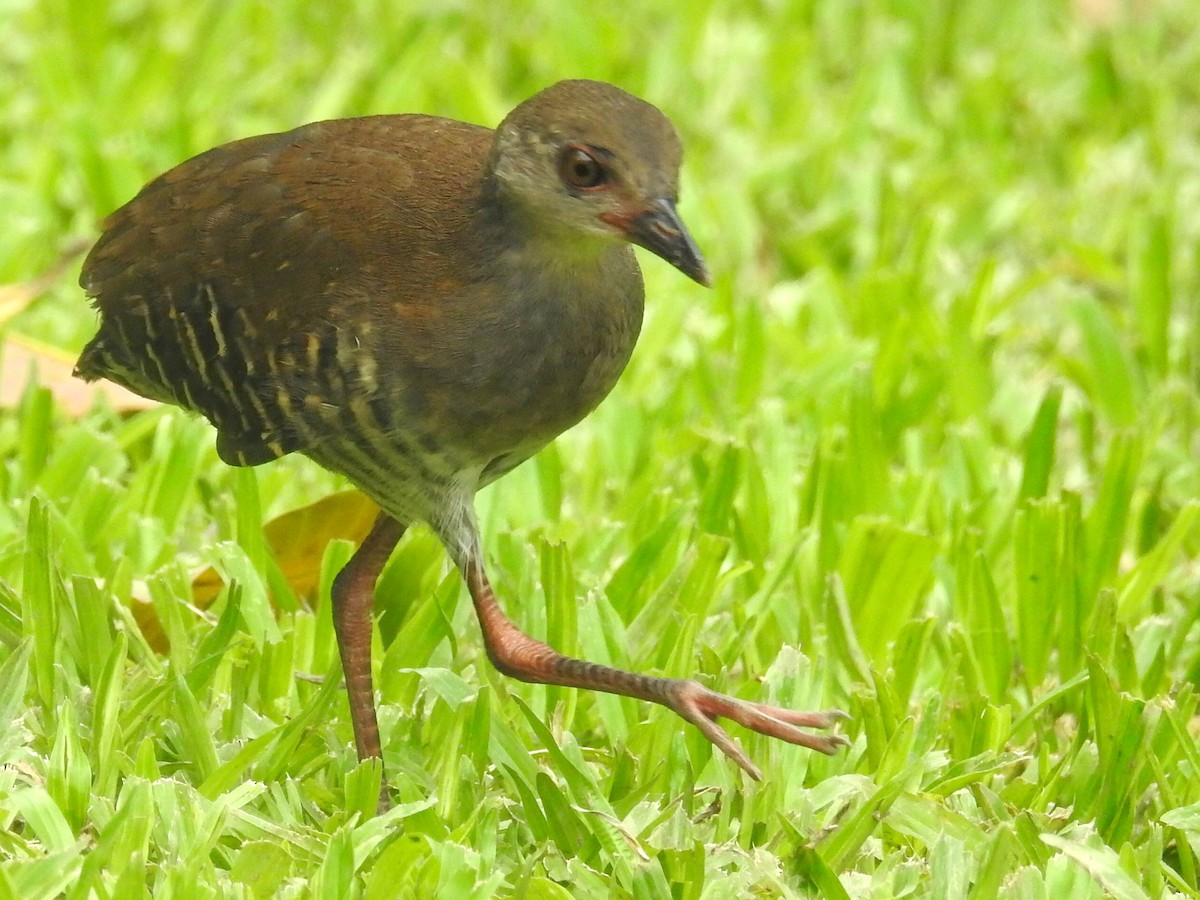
702	707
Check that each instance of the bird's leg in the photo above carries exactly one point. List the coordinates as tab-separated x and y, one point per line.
517	654
353	597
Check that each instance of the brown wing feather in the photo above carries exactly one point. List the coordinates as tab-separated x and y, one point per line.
231	284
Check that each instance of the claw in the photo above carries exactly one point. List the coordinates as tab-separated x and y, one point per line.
697	704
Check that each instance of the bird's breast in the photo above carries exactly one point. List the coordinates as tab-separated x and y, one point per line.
544	355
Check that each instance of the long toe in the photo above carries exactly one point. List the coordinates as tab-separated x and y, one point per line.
702	707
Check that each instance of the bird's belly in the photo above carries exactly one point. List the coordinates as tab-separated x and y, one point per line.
434	435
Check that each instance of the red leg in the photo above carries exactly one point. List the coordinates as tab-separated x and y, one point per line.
353	597
515	653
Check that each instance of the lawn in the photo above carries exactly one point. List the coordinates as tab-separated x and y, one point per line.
926	453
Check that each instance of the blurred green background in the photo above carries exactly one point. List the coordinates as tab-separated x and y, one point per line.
926	452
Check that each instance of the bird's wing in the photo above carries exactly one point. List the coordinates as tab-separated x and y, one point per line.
250	282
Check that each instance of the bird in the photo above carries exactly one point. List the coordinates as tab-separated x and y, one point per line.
420	305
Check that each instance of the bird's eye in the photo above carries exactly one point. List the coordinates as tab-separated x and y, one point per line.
580	169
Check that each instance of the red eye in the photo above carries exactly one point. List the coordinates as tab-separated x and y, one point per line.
580	170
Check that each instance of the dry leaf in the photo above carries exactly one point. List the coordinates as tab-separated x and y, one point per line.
20	357
297	540
14	298
205	587
142	608
1096	12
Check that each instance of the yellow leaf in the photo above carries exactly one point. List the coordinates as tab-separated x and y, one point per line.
298	539
14	298
21	358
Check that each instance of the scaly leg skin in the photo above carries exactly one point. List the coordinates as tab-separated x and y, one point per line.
353	596
515	653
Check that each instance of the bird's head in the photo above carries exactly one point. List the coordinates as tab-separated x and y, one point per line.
586	158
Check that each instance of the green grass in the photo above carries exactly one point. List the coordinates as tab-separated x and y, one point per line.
927	452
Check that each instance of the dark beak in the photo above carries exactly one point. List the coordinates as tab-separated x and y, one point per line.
660	230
